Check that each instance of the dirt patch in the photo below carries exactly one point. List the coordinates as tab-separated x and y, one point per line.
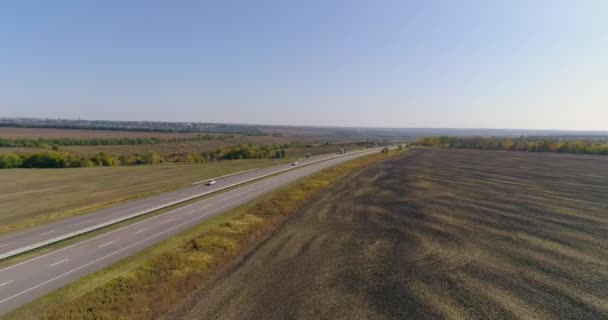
457	234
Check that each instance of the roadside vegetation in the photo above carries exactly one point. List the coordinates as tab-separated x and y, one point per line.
68	158
149	284
588	146
62	159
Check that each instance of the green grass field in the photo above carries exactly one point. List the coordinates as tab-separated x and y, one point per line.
35	196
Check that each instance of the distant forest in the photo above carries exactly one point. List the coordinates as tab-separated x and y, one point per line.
59	159
143	126
64	142
588	146
65	159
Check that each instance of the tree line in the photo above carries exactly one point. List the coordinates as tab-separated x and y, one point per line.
60	159
519	144
169	127
60	142
374	143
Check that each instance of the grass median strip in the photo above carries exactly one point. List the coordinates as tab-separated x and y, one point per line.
148	284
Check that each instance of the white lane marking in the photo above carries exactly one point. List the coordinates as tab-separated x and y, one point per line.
225	176
82	222
89	240
140	231
44	233
230	196
115	213
56	263
85	241
106	244
166	221
4	245
197	209
104	257
3	284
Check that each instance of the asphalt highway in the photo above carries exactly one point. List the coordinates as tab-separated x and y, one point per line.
24	240
25	281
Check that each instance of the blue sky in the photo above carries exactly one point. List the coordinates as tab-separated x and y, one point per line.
465	64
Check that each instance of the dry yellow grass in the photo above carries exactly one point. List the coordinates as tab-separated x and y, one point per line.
60	193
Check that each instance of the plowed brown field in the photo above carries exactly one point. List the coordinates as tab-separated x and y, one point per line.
438	233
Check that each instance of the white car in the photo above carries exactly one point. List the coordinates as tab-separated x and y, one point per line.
295	163
211	182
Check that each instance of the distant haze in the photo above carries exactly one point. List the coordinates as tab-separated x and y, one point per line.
447	64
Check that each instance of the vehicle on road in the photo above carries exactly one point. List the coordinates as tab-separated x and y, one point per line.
211	182
295	163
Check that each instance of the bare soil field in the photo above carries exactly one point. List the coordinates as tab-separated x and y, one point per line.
433	234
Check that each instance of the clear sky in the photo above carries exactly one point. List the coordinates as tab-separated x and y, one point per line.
492	64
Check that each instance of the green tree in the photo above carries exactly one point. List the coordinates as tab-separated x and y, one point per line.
10	160
151	157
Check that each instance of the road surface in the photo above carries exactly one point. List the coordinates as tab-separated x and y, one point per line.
25	240
24	282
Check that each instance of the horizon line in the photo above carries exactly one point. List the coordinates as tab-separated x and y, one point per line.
316	126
